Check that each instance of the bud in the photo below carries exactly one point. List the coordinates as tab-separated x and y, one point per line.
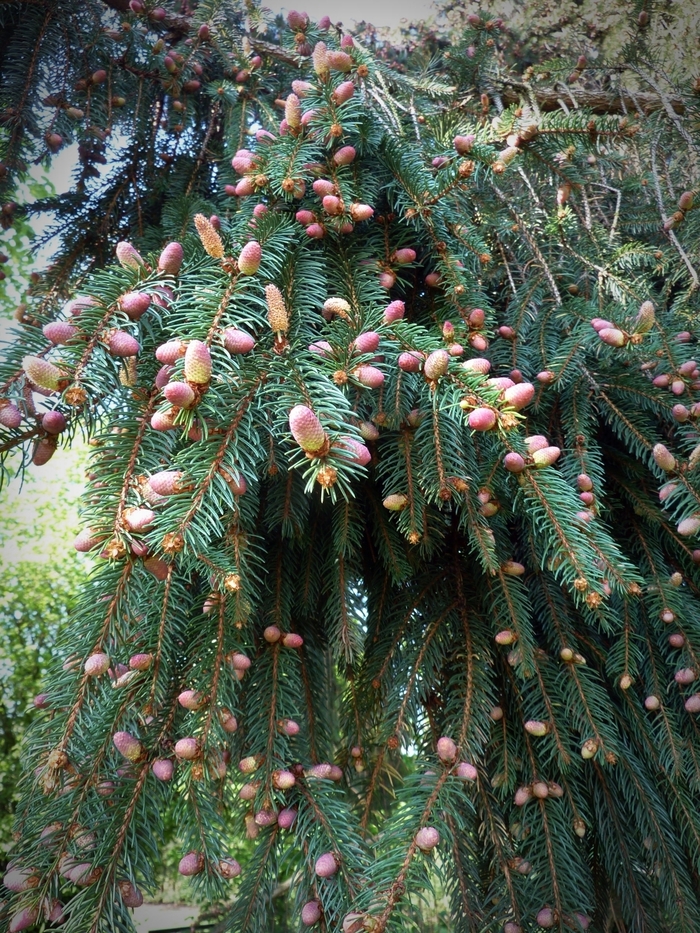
537	728
59	332
446	749
96	664
396	502
128	746
187	749
463	144
292	640
692	704
466	771
166	483
163	769
482	419
310	913
191	864
170	259
191	699
427	838
326	865
546	917
179	394
589	748
514	462
689	526
229	868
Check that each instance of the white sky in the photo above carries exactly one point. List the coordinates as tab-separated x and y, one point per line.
377	12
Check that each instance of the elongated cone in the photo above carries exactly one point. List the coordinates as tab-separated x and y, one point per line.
369	376
336	307
410	362
128	746
166	483
664	458
197	363
345	155
59	332
135	304
482	419
477	365
170	259
187	748
306	429
366	342
520	395
238	341
436	364
394	311
179	394
326	865
122	344
446	749
23	919
292	640
249	258
169	352
191	864
396	502
689	526
42	373
310	913
277	315
536	442
645	318
466	771
612	336
292	111
546	456
96	664
163	769
44	450
338	60
209	236
20	879
352	450
427	838
128	256
86	541
405	255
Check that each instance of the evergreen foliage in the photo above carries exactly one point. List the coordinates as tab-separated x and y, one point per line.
395	511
